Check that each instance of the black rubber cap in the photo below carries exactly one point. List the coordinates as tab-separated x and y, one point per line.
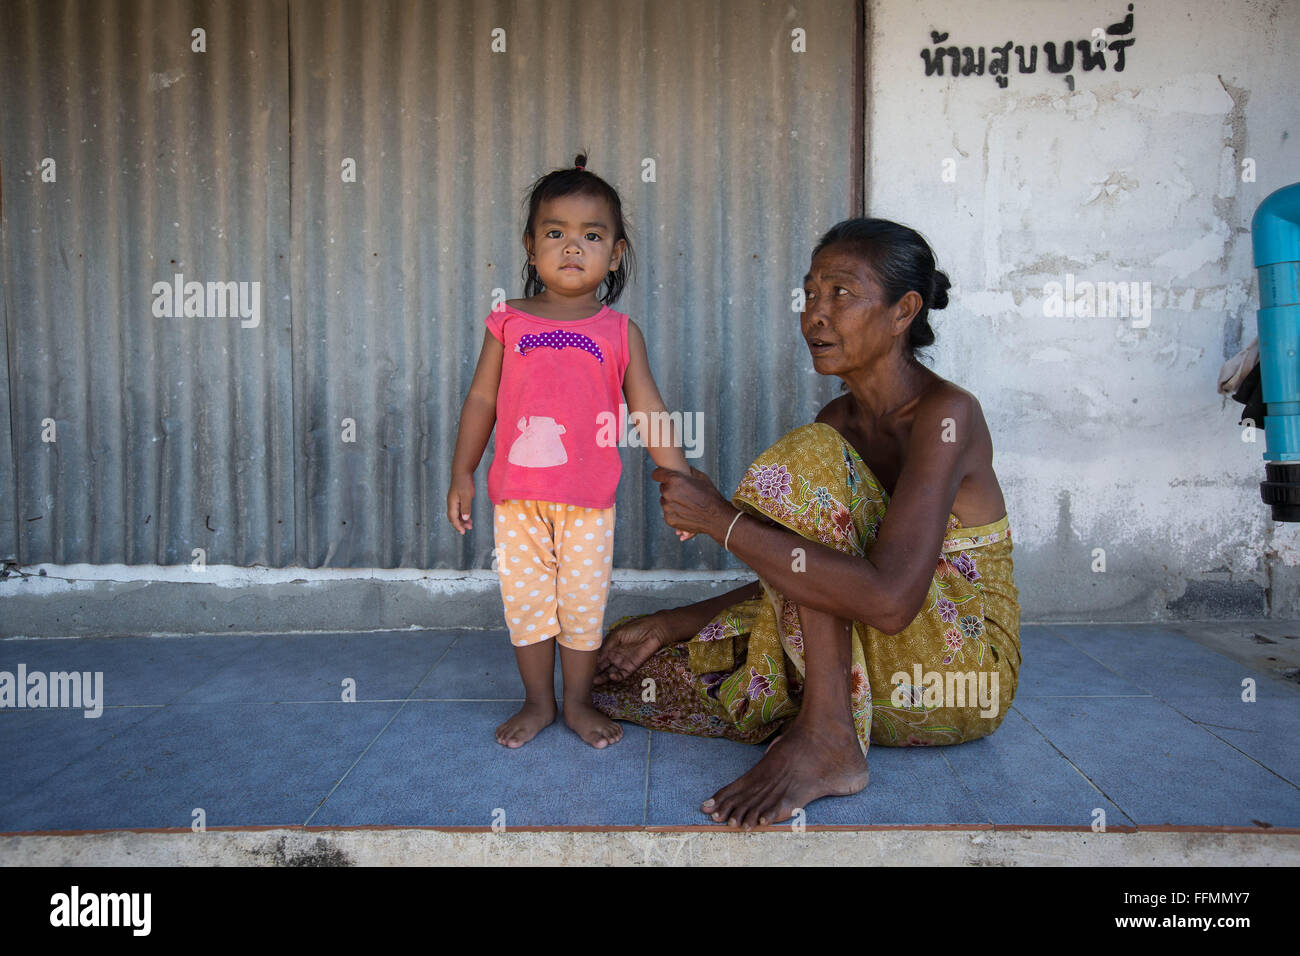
1281	489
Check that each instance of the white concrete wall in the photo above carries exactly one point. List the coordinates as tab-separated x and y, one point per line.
1105	435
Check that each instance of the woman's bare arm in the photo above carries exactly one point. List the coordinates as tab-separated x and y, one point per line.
887	587
685	622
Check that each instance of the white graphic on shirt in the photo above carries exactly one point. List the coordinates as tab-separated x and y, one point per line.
539	446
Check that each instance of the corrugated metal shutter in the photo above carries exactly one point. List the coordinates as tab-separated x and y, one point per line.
227	165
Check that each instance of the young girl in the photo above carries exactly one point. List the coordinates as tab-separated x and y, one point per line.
550	373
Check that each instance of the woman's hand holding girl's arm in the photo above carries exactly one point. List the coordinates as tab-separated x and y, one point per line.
477	418
886	588
692	503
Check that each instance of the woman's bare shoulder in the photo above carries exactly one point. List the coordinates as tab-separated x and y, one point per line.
945	397
833	413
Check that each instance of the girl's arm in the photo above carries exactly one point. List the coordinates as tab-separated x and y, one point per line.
663	442
477	418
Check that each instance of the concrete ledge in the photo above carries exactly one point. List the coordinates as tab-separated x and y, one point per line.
89	600
884	846
93	600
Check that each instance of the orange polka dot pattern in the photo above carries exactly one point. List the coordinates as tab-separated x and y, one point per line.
554	561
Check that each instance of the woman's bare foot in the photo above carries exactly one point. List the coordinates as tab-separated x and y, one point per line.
591	725
799	767
526	724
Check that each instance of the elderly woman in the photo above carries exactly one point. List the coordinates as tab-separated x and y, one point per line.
885	608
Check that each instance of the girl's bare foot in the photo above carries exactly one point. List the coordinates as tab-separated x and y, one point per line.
591	725
799	767
526	724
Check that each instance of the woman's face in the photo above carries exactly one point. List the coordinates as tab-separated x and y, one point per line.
847	320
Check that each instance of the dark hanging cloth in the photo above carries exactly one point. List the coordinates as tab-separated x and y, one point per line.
1251	394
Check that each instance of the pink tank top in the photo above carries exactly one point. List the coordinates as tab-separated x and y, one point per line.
557	408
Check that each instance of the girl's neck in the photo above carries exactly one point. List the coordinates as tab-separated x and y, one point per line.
561	309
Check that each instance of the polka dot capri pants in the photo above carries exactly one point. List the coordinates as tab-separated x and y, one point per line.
554	561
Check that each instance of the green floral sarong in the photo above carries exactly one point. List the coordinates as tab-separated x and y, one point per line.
948	677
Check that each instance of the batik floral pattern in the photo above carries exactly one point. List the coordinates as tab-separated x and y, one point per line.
742	674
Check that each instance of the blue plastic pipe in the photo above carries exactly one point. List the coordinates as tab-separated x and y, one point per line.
1276	237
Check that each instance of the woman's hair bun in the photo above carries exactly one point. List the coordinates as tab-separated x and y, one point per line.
939	297
580	160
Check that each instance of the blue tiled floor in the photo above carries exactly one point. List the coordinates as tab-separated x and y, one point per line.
1140	722
438	763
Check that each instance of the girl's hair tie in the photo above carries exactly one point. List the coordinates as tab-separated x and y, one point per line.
579	166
